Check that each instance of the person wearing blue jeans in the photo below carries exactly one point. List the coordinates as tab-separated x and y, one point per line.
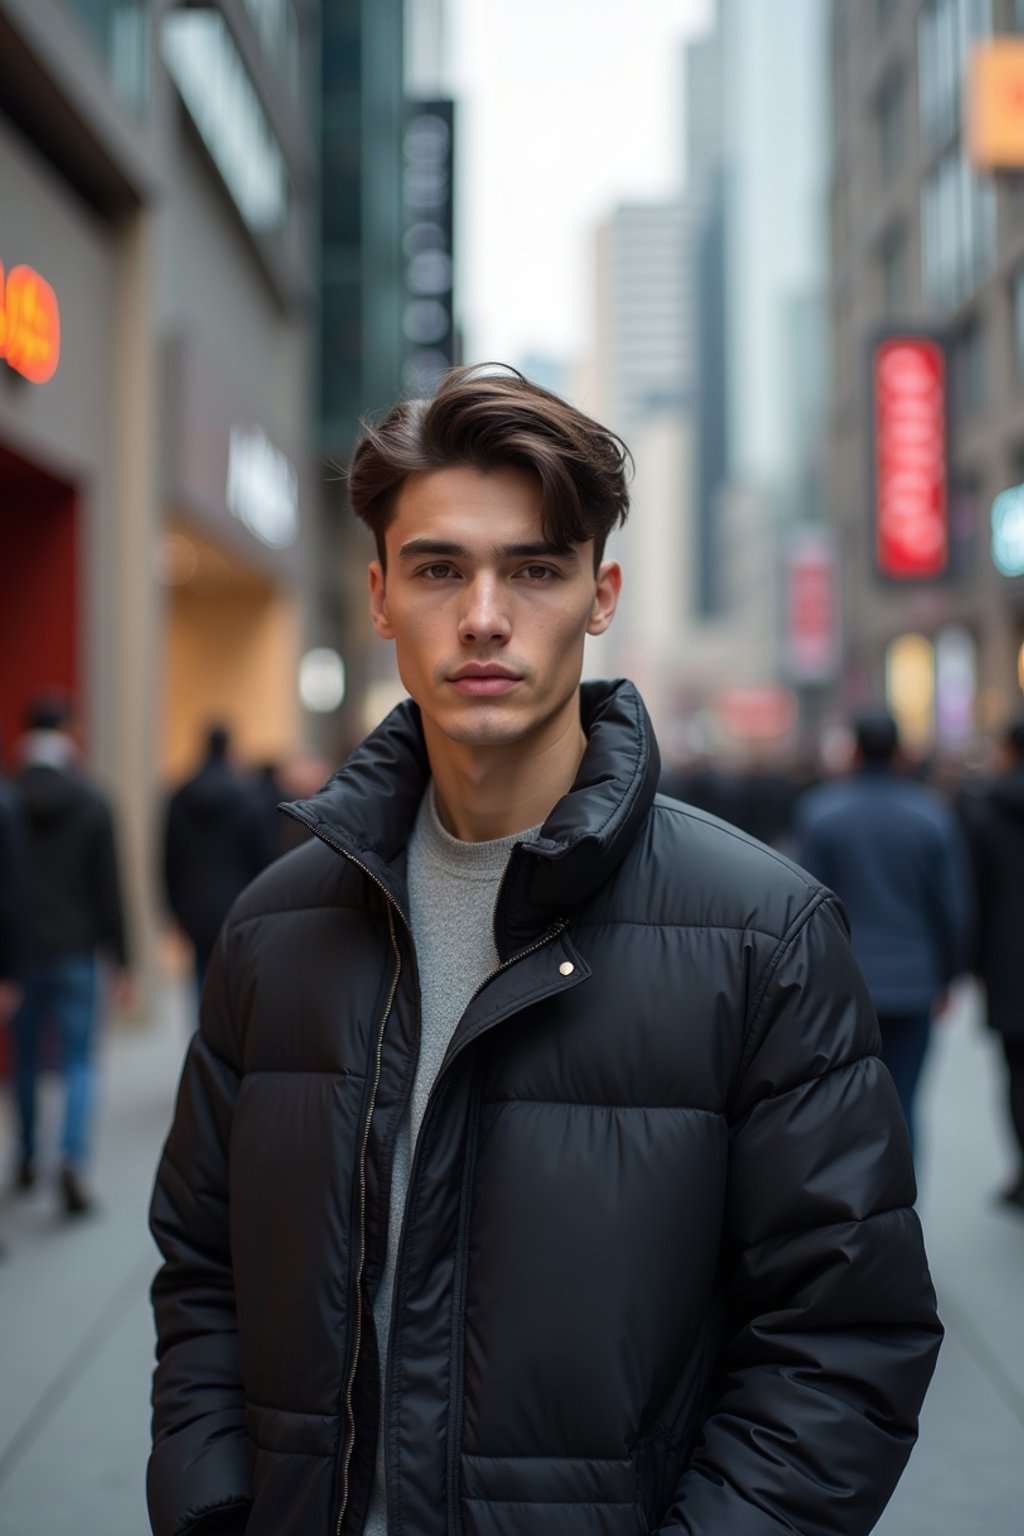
905	1038
72	913
65	991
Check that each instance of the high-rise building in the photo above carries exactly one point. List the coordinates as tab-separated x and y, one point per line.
644	350
755	193
922	242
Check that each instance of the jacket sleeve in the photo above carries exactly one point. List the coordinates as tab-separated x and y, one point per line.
200	1468
832	1333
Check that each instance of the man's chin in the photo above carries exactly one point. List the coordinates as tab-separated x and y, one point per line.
483	725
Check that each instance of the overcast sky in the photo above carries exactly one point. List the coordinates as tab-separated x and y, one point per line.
566	107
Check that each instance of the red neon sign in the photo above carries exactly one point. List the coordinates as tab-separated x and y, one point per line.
29	324
911	448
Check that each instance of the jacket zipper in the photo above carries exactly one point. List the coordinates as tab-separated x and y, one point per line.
393	907
521	954
357	1342
454	1525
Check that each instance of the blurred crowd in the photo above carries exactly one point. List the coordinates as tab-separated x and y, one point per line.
928	864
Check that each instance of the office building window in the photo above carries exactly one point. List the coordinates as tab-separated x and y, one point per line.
278	28
895	271
946	32
119	31
958	231
892	123
970	369
1018	321
1017	16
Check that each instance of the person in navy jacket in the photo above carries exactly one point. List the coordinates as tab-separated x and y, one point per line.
893	852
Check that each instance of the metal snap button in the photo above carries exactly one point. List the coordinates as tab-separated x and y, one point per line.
566	968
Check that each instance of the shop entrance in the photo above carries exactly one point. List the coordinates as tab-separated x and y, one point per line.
39	621
231	654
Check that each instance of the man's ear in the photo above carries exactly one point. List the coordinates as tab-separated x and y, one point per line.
609	585
379	602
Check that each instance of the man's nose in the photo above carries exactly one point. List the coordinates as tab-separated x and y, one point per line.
485	613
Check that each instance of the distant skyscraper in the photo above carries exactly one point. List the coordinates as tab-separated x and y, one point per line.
644	347
775	147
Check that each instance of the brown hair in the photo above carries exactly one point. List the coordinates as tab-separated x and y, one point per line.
492	421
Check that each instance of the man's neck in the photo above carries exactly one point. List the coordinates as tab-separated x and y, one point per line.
488	792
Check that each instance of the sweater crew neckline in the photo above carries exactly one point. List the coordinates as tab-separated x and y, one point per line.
470	861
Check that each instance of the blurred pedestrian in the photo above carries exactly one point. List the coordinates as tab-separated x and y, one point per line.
532	1133
894	854
216	840
995	823
12	899
73	913
268	787
12	896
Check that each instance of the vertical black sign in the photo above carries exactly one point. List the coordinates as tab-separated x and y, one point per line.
428	323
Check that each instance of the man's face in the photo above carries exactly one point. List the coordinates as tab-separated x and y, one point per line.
488	618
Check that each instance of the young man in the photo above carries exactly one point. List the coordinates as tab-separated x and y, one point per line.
532	1171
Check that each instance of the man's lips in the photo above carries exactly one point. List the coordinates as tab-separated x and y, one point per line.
484	681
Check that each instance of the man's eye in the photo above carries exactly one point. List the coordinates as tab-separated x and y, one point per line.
439	571
540	572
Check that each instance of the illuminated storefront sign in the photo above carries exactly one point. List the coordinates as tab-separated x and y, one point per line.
995	105
812	607
956	685
908	379
1008	531
910	687
29	324
263	487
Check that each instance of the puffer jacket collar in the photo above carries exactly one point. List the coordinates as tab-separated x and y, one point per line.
368	808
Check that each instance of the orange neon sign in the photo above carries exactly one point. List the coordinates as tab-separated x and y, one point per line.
29	324
995	105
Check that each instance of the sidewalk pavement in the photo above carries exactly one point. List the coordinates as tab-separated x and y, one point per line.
76	1337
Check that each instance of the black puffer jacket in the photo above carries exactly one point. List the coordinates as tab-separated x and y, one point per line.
659	1269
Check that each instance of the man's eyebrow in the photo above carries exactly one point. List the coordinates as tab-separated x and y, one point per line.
542	547
446	550
416	547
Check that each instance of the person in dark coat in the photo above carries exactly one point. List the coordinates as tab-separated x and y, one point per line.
996	829
894	854
12	899
216	839
73	915
532	1168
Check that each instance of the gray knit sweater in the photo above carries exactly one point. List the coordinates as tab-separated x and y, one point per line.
452	890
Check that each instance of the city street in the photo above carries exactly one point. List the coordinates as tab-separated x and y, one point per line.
76	1348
